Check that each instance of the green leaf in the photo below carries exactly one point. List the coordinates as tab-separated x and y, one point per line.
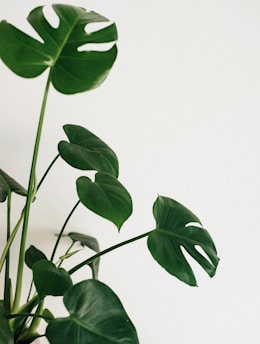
50	280
177	228
6	336
96	316
33	255
8	185
106	197
86	151
91	243
85	240
73	70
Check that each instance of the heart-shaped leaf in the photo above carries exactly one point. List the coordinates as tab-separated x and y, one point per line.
96	316
106	197
50	280
175	230
86	151
72	70
8	185
6	336
33	255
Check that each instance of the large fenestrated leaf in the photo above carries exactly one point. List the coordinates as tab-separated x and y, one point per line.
86	151
106	196
96	316
73	70
178	228
8	185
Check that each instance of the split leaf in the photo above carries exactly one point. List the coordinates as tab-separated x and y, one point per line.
73	70
178	228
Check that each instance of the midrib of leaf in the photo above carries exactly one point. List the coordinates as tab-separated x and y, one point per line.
65	41
90	329
179	236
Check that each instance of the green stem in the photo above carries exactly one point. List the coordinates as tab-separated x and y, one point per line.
47	171
10	240
30	196
112	248
7	289
62	230
66	253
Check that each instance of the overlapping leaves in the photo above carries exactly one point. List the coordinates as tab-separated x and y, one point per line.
178	228
72	70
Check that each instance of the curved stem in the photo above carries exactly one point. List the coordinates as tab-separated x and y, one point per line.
62	230
112	248
47	171
30	196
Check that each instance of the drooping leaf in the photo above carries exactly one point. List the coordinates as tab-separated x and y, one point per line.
50	280
86	151
8	185
106	197
91	243
73	70
33	255
178	228
85	240
6	336
96	316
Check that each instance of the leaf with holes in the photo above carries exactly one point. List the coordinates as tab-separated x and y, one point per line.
96	316
86	151
72	70
8	185
106	197
176	228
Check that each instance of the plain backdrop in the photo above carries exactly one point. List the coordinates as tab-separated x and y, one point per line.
181	110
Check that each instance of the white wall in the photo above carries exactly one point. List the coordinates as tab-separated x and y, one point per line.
181	110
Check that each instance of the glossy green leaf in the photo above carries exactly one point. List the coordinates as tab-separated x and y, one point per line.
6	336
91	243
50	280
178	228
8	185
96	316
106	197
86	151
33	255
72	70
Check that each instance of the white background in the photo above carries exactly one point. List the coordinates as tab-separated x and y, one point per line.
181	110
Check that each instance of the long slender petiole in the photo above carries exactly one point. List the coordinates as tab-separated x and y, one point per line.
30	196
112	248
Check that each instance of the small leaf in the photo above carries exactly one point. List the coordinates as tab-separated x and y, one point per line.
8	185
86	151
50	280
175	230
106	197
96	316
72	70
6	336
85	240
47	315
33	255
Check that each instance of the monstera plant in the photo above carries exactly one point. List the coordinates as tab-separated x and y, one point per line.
95	314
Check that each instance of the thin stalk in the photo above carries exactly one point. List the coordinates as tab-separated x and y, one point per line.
62	230
30	196
7	290
47	171
10	240
112	248
66	253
